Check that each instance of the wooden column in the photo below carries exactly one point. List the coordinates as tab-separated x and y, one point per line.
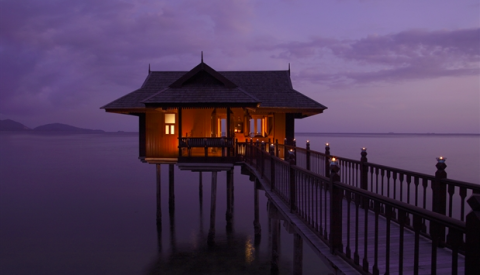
171	212
141	135
335	212
171	187
364	170
229	213
229	132
272	167
275	239
439	201
159	208
472	243
307	147
256	222
200	201
297	254
159	195
179	130
289	127
213	205
293	185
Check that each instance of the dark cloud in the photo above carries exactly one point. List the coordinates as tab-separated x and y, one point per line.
414	54
59	54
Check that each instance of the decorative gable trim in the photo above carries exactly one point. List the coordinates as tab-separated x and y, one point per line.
203	67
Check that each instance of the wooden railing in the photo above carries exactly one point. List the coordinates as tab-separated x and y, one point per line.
223	143
318	192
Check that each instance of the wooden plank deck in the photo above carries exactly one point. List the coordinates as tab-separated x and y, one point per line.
444	255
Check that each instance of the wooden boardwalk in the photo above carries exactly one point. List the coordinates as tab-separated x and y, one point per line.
444	255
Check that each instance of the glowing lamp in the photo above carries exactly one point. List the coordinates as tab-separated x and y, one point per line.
441	159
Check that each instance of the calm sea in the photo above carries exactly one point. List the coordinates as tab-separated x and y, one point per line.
84	204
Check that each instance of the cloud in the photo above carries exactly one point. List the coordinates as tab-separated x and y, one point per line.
61	54
413	54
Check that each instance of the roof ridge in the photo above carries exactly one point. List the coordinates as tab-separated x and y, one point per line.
205	68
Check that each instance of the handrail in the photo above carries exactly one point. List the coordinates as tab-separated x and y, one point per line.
317	200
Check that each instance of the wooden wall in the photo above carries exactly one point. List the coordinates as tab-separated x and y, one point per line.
157	143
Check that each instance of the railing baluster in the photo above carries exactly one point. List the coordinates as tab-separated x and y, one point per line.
463	194
417	226
451	191
401	221
356	258
347	249
375	264
365	202
388	214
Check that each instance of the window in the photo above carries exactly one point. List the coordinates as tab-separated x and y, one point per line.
170	124
261	126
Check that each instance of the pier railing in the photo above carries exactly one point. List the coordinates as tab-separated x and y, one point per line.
409	204
188	143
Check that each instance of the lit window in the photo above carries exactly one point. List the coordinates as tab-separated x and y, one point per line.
170	124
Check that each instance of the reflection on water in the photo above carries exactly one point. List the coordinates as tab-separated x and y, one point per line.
233	251
84	204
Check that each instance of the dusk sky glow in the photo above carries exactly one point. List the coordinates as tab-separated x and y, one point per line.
379	66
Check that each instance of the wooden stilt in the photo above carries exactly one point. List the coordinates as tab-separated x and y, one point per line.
213	202
159	196
229	213
256	222
171	187
275	223
297	254
200	200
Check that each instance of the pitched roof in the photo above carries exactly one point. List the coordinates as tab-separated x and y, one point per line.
203	86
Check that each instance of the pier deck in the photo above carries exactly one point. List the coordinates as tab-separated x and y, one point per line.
360	231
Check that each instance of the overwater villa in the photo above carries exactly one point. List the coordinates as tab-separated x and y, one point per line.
203	112
364	218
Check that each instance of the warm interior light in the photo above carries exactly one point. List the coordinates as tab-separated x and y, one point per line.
170	118
326	144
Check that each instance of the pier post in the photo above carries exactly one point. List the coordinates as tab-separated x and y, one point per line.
229	214
276	148
213	206
472	238
256	222
308	154
159	208
335	209
171	187
275	238
327	158
272	167
200	200
364	169
293	186
297	254
159	195
439	200
262	159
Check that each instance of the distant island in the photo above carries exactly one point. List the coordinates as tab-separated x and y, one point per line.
10	125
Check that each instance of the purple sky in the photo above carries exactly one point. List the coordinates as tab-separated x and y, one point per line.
378	65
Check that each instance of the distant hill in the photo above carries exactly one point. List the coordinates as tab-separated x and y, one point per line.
59	127
10	125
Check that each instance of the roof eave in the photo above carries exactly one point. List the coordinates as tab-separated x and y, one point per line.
204	105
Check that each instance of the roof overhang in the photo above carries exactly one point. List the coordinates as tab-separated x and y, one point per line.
202	105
